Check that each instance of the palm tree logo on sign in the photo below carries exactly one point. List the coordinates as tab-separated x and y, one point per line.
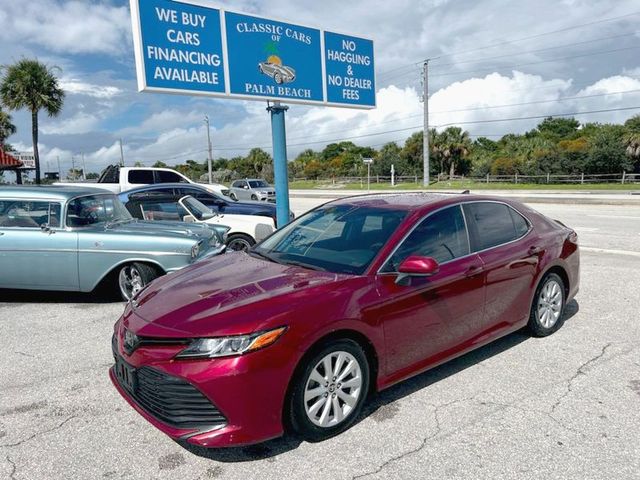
273	66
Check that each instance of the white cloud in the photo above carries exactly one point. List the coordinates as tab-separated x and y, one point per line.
164	120
81	122
74	86
69	27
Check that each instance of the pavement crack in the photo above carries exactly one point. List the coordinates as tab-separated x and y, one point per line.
579	371
60	425
423	442
14	468
25	354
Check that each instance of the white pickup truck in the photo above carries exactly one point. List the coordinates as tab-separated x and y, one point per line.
120	179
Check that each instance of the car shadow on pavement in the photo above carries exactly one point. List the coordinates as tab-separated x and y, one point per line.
41	296
288	442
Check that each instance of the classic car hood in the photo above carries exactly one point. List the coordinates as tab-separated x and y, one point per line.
173	229
226	294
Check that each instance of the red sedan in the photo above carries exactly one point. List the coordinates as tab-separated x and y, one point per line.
351	298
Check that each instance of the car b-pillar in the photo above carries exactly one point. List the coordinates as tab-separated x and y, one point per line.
280	167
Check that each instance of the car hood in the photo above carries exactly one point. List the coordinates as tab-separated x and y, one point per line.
229	294
170	229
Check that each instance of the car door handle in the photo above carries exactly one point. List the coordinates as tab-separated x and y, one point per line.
473	270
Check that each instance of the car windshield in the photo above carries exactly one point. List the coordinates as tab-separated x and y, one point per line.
96	209
258	184
199	210
335	238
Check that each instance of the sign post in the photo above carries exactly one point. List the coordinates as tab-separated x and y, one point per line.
368	162
280	170
184	47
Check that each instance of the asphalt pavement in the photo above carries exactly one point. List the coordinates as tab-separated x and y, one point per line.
566	406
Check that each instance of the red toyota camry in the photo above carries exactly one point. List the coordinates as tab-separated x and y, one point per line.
353	297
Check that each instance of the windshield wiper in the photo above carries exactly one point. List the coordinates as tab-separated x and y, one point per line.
304	265
255	253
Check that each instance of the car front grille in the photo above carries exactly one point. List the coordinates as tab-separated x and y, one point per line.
174	401
171	400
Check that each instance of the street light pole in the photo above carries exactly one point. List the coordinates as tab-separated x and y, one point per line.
425	82
206	120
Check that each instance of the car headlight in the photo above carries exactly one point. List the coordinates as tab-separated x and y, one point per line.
195	250
230	346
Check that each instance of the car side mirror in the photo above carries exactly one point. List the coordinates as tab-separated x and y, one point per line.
246	187
189	219
416	266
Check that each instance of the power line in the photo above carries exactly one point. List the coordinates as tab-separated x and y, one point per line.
509	67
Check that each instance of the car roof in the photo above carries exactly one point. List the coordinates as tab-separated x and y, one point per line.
49	192
413	201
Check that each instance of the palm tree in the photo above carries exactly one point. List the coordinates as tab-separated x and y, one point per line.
452	146
32	85
6	128
632	138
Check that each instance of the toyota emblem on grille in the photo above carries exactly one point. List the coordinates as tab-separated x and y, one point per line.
131	341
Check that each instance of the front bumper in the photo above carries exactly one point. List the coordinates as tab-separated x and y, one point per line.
247	391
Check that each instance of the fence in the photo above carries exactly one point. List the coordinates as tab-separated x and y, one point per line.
583	178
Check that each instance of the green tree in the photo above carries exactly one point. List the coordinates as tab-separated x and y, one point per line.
557	128
453	146
160	164
32	85
607	151
632	139
6	128
389	155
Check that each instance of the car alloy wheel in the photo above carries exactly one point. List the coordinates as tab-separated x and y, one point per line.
333	389
548	306
550	303
278	78
329	390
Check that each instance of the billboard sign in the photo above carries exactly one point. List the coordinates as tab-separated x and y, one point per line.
185	47
28	161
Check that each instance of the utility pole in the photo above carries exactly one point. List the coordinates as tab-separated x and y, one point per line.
206	120
425	99
59	171
73	166
121	154
84	170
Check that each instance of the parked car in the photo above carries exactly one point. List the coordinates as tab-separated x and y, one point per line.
252	189
119	179
280	73
218	203
352	297
75	239
244	230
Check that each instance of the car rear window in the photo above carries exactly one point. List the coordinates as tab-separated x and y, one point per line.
144	177
496	223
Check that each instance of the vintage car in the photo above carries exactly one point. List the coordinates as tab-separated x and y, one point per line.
244	230
76	239
280	73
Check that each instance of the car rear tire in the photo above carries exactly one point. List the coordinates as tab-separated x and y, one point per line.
547	309
328	393
239	242
278	78
133	277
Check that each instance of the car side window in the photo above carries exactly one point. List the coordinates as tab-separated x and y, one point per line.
169	177
441	236
28	214
495	223
144	177
235	184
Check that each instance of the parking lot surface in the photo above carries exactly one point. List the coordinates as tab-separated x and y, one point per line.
566	406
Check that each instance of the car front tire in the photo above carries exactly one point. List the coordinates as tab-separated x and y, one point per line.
329	391
547	309
233	196
133	277
239	242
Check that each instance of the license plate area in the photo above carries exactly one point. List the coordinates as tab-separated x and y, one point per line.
126	375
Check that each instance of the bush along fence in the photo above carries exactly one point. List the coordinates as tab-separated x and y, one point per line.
583	178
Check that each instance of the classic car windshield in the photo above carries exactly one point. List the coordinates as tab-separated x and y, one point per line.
339	239
95	209
197	209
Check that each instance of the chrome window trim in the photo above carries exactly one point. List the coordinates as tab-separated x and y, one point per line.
471	252
62	204
94	194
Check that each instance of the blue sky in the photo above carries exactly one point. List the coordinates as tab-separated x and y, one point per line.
534	57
